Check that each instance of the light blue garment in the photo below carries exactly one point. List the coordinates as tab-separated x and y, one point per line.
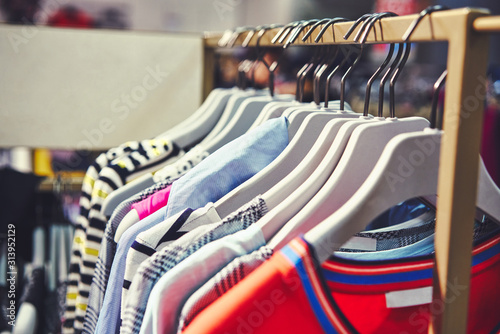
228	167
109	317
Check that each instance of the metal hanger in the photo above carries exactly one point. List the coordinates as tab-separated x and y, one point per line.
331	56
342	48
435	99
260	57
428	11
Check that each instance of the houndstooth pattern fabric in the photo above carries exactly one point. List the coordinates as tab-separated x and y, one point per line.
152	269
165	177
218	285
155	239
392	239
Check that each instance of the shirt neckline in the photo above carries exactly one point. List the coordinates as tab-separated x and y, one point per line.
369	276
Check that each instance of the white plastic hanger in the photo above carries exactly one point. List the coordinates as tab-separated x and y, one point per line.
293	155
362	152
119	195
242	120
276	109
233	101
407	168
202	120
206	111
290	157
297	115
232	106
287	197
272	110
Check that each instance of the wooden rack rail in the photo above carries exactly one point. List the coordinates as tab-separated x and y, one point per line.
465	30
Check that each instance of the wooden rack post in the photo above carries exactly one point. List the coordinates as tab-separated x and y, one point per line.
459	156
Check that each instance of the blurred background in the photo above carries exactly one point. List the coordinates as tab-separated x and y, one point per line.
426	62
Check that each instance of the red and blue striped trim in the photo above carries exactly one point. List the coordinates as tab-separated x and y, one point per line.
329	316
380	274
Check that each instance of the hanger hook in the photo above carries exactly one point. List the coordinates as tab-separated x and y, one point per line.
297	31
371	22
421	15
289	29
332	23
310	31
226	36
237	32
319	75
356	23
278	34
366	27
260	56
385	77
332	74
394	78
325	27
435	99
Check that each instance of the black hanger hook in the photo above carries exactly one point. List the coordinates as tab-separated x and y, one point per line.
288	30
356	23
435	99
319	75
421	15
325	27
394	78
297	31
310	31
270	67
371	22
386	75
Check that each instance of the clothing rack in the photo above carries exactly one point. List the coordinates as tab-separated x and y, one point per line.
466	31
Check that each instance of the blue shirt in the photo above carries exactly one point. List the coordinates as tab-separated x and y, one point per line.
109	317
229	166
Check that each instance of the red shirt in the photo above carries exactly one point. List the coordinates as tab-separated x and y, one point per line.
288	295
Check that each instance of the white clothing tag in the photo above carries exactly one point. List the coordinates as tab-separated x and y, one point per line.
360	243
412	297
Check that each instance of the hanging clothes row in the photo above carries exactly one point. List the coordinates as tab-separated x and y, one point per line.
34	259
262	214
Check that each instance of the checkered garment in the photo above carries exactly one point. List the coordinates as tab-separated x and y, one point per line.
152	269
164	177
